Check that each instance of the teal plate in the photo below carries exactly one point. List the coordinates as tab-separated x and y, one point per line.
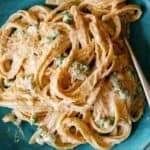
12	138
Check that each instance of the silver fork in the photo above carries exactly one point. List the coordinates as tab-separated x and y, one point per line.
144	82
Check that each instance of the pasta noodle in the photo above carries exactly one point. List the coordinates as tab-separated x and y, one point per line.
68	71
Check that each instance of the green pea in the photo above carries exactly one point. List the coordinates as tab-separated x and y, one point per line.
111	121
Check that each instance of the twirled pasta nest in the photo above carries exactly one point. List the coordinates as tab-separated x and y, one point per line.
68	71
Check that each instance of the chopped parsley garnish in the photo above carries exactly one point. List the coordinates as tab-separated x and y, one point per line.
101	123
81	67
21	32
117	85
105	122
139	91
68	18
79	71
34	118
117	91
126	94
59	60
52	35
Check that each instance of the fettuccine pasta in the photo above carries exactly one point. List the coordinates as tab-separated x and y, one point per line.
68	71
